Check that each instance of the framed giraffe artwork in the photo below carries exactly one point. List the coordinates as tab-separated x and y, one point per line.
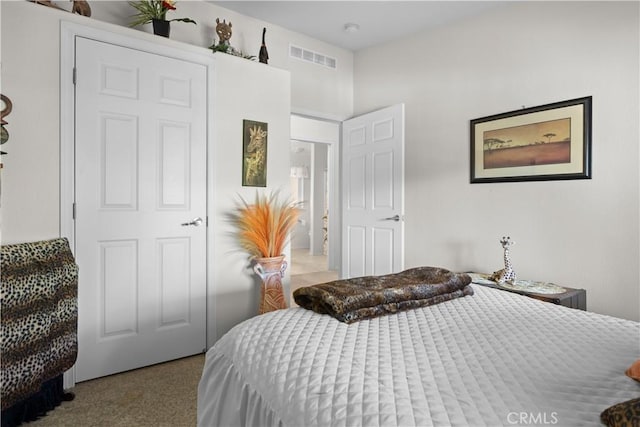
254	153
547	142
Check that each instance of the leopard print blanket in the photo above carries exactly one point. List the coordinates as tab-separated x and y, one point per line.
350	300
38	323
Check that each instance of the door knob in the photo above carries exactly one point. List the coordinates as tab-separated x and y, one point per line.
392	218
195	222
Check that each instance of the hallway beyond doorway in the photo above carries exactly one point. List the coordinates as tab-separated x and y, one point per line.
307	270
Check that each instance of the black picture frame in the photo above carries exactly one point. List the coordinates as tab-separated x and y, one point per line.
510	147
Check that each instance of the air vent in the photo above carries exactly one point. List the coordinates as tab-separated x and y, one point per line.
313	57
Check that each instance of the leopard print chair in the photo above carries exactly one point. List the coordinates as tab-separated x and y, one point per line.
38	326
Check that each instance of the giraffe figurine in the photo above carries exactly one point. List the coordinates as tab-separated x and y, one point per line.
507	274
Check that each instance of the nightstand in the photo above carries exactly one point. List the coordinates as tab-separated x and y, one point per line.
572	298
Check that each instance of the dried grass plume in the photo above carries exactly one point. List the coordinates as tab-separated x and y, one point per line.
262	228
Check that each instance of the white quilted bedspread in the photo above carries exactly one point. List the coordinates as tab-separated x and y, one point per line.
494	358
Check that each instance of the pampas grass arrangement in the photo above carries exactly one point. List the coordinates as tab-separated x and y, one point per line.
263	227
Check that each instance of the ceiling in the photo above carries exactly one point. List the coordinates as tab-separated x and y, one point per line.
378	21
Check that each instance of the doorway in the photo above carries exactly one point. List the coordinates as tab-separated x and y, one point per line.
365	215
314	245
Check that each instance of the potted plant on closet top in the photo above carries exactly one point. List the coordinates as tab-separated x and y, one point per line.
263	229
155	11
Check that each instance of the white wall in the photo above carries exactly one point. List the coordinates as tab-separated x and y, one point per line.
251	91
581	233
30	78
315	89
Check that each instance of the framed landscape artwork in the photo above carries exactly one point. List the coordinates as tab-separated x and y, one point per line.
548	142
254	153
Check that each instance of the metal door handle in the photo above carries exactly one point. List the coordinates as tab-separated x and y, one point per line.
392	218
195	222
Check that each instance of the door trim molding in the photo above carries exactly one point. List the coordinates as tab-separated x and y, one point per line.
155	45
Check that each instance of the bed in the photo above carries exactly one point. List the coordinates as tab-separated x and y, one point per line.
492	358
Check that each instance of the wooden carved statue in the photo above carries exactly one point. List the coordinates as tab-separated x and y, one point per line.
6	110
263	56
81	7
223	30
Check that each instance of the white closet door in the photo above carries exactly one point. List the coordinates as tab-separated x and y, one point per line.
373	193
140	175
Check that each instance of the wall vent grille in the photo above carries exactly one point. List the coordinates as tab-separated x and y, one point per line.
313	57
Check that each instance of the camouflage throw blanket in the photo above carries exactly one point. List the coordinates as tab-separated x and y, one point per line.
350	300
39	316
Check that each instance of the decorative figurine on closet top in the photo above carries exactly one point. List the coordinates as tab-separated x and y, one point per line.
263	56
81	7
223	30
507	274
6	110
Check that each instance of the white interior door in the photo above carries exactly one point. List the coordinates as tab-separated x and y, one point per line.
140	176
373	193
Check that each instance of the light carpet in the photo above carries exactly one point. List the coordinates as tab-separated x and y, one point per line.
159	395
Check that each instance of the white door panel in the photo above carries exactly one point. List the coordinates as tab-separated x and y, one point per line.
357	181
140	173
357	251
373	193
383	258
383	185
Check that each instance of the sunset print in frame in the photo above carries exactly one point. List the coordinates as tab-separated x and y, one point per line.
254	153
548	142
